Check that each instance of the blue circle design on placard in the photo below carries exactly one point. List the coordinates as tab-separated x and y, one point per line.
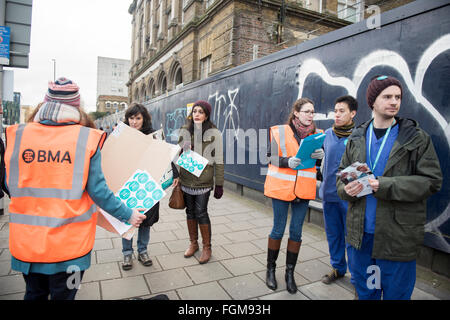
141	194
191	169
133	186
200	167
143	178
180	162
149	186
185	165
183	156
157	195
124	194
132	202
148	202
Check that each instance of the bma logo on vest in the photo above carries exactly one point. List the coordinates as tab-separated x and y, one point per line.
45	156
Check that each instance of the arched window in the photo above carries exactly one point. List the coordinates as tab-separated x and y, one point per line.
175	75
178	78
162	83
136	95
152	88
143	94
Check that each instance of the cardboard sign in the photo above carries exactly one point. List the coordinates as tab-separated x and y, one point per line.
125	151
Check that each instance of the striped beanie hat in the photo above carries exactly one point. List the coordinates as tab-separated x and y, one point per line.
63	91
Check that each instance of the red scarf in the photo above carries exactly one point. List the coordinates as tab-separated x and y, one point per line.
303	131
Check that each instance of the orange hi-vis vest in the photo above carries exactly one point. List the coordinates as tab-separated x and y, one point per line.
285	183
52	217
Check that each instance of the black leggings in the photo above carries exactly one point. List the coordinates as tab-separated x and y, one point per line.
197	207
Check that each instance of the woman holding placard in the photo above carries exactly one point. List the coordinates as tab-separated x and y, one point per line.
200	139
137	117
288	186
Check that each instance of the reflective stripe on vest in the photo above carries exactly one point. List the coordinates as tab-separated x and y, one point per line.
285	183
282	143
50	222
288	177
67	194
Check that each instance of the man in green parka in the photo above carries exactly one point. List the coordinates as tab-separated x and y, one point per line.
386	228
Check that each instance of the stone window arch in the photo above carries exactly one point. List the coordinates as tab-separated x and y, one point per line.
162	83
176	75
152	88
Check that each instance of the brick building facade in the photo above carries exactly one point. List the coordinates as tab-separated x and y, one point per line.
177	42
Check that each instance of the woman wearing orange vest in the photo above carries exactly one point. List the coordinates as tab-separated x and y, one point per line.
55	181
285	186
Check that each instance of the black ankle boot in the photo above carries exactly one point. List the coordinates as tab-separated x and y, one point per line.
271	281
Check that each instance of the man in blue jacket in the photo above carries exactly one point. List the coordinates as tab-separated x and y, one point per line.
334	209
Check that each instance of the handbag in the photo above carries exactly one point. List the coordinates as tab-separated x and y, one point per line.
176	200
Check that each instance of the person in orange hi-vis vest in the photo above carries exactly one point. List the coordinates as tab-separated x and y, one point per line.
287	186
55	181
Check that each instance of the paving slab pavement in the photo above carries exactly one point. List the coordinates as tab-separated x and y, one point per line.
236	271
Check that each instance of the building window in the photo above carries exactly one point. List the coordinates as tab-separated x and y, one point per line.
205	67
349	10
163	85
178	78
108	105
152	90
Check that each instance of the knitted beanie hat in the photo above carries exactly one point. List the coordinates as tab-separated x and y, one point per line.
205	105
378	84
63	91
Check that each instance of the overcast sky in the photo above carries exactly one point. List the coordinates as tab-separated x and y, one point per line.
74	33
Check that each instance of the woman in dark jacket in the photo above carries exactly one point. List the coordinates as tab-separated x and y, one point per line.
196	190
138	117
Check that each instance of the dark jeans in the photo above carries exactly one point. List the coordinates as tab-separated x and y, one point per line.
280	215
197	207
39	286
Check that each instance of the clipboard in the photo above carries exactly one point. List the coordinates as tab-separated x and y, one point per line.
307	146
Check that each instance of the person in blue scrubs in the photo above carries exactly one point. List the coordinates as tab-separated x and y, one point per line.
335	209
385	229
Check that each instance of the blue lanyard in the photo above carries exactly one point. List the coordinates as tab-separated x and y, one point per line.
372	166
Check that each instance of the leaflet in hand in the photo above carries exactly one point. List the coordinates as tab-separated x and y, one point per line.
360	172
140	191
192	162
307	146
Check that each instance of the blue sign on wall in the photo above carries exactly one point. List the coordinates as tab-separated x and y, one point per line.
5	34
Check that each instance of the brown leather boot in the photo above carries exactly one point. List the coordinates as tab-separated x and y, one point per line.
205	230
193	236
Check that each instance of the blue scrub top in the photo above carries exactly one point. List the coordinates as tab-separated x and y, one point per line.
334	149
371	201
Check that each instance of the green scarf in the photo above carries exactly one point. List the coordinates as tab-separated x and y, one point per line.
344	131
